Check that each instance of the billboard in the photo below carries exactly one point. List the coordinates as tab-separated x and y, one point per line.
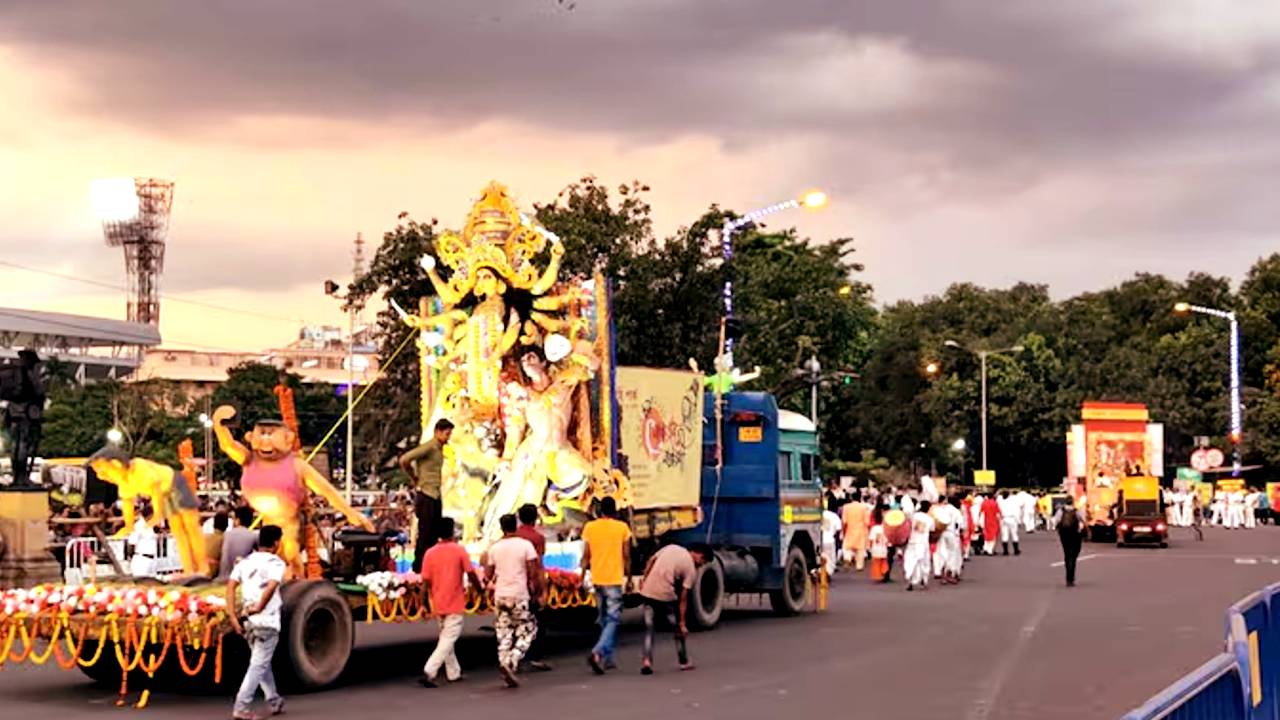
660	435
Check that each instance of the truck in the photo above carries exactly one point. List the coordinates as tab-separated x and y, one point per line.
729	470
1140	516
1113	441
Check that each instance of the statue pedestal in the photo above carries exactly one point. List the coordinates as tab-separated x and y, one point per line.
24	527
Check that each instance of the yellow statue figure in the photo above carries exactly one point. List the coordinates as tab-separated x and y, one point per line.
493	255
172	500
540	463
275	480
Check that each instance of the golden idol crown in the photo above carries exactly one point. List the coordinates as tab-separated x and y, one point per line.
495	237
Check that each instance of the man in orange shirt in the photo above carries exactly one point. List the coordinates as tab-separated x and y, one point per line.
856	517
443	567
608	556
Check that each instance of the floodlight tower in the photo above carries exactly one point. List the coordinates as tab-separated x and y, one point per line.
135	216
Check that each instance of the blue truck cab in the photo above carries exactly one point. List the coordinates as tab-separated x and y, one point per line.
761	511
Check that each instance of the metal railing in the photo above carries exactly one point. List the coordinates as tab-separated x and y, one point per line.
1242	682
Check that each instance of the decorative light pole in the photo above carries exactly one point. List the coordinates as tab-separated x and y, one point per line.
982	358
813	199
1237	419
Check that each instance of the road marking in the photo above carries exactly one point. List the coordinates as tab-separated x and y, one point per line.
1082	558
1246	561
982	708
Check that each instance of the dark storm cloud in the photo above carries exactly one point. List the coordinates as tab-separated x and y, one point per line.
642	67
995	98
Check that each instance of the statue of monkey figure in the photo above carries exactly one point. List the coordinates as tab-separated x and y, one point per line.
276	480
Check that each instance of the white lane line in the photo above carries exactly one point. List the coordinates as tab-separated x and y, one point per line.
1082	558
981	710
1246	561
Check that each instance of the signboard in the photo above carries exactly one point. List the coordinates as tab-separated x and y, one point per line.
750	433
660	435
1207	459
1186	473
984	477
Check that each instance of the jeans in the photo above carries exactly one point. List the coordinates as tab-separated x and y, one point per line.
609	607
516	628
450	630
653	609
427	510
262	644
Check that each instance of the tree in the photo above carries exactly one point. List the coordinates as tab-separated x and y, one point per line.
387	419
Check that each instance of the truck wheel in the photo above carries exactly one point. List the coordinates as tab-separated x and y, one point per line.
792	597
706	602
317	634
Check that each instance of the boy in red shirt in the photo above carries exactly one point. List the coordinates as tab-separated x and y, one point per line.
443	568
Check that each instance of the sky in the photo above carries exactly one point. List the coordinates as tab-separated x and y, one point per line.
1071	144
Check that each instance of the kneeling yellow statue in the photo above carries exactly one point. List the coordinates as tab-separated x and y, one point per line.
172	500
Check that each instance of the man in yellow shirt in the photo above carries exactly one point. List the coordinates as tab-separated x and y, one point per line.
608	556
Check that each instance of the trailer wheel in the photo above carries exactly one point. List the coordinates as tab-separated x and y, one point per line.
792	597
318	634
706	602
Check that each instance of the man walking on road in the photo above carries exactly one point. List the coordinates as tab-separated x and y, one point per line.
916	563
991	524
608	557
669	576
1009	512
443	568
856	517
424	464
528	515
258	579
1071	535
514	572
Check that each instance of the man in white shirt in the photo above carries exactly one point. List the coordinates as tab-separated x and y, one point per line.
1009	514
145	545
258	579
1251	509
948	559
830	530
1026	510
512	569
915	559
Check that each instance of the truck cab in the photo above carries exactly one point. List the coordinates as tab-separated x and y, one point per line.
761	509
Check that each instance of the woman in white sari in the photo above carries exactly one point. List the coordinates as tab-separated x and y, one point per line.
916	559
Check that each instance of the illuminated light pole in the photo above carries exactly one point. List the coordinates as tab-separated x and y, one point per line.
812	200
1237	419
982	357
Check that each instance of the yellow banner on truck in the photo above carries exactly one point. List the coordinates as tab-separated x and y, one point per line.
660	435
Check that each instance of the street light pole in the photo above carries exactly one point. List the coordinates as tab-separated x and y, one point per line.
982	360
814	369
351	384
1237	416
812	199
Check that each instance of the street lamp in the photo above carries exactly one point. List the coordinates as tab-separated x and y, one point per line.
1237	420
813	369
114	436
331	289
207	423
958	446
811	200
982	357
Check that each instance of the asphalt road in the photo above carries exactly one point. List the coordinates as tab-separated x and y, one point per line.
1010	642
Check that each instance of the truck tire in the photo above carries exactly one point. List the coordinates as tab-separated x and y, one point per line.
706	602
793	596
317	634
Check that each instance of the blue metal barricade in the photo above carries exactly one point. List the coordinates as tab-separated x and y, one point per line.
1210	691
1250	639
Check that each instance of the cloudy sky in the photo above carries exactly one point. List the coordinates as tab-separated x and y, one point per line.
1065	143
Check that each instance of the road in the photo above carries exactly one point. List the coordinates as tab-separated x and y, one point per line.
1010	642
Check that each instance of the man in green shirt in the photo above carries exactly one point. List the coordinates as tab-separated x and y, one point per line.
423	465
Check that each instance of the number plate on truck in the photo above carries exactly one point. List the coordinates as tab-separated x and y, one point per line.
751	434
